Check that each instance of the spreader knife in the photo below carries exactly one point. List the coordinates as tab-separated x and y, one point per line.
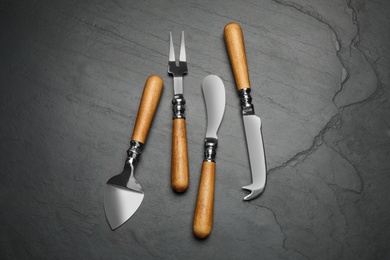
214	95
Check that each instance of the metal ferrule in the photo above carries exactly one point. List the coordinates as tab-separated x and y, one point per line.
210	151
134	152
178	108
246	101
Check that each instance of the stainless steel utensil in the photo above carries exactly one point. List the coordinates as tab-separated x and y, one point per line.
214	95
179	164
123	194
235	45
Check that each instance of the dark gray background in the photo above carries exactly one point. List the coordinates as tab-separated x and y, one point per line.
71	77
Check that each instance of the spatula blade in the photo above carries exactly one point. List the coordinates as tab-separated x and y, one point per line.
120	204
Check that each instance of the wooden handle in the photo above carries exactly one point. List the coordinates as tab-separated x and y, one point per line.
147	107
203	219
234	40
179	156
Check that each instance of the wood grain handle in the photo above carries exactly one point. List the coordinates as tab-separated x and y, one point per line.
203	218
234	40
180	170
147	107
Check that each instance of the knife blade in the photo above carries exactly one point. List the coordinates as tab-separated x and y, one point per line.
234	40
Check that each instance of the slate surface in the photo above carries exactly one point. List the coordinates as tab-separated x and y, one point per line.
71	76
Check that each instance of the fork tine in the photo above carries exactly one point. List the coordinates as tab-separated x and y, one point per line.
171	48
182	48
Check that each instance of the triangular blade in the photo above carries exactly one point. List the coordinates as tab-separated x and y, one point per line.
120	204
255	146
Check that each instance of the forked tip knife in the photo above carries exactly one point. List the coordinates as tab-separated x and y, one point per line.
234	40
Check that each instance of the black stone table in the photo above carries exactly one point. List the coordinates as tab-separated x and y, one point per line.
71	77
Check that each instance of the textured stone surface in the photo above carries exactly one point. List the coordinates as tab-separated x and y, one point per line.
71	77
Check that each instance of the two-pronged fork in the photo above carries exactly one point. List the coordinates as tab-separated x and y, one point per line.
180	178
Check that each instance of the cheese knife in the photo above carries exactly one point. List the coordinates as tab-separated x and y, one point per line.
214	95
234	40
123	194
